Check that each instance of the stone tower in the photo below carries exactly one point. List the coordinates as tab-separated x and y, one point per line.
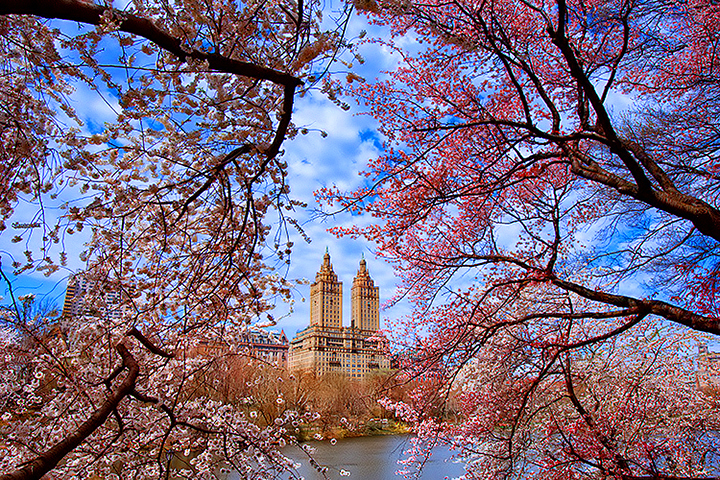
326	297
365	301
325	346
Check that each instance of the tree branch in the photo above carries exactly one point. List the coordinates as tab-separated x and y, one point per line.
603	439
134	332
89	13
654	307
46	461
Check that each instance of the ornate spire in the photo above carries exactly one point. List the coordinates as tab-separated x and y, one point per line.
362	271
326	269
326	296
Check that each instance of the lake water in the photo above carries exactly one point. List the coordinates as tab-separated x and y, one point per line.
371	458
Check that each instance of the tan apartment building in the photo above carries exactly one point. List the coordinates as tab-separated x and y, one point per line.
707	376
326	346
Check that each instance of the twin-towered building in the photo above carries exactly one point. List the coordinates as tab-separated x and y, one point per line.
326	346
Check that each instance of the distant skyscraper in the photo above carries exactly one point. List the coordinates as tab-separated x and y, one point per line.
325	346
326	297
90	297
365	301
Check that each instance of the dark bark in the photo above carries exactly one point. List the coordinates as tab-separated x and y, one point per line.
89	13
704	216
645	306
46	461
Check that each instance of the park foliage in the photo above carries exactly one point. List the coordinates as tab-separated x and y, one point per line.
547	193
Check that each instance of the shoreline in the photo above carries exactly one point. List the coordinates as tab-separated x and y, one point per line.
371	428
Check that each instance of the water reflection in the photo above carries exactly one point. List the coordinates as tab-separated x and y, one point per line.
371	458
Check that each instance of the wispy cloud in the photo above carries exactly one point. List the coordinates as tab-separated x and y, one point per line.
314	161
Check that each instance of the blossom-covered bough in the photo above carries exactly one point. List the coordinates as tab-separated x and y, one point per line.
549	195
144	139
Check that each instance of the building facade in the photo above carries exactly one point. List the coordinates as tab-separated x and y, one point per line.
707	377
326	346
89	297
267	346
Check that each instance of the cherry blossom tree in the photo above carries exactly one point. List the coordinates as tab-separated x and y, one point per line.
548	194
144	138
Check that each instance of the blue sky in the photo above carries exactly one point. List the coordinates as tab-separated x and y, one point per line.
314	161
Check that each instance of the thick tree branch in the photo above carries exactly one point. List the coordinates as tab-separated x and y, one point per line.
134	332
38	467
704	216
603	118
84	12
650	307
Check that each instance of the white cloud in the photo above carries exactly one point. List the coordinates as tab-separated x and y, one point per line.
313	162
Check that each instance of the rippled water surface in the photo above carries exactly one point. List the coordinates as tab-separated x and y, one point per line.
371	458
